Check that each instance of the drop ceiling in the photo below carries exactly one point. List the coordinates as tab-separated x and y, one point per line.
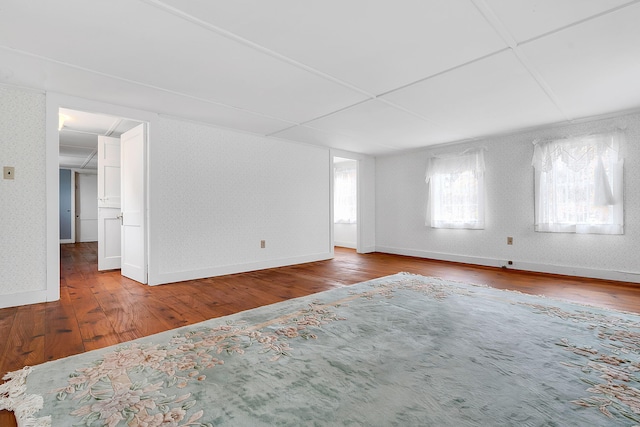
369	76
79	136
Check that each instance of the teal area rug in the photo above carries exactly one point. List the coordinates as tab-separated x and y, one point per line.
403	350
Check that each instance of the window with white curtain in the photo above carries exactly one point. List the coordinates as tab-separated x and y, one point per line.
578	184
345	190
456	190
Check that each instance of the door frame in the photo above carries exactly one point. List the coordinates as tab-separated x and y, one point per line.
358	209
366	200
55	101
72	239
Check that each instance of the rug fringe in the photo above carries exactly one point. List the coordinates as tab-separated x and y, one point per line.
13	398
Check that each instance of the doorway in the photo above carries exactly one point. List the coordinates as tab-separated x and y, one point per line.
54	104
90	147
345	202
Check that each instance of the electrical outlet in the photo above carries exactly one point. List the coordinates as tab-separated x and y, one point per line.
263	244
9	172
509	240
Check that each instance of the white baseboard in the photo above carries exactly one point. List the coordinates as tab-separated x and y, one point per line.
621	276
367	250
23	298
180	276
345	245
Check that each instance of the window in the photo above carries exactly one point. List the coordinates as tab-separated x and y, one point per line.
345	190
578	184
456	190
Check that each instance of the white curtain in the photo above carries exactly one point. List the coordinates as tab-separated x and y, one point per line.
345	203
456	190
579	184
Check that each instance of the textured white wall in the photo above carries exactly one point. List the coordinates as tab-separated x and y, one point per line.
214	194
401	207
22	200
345	235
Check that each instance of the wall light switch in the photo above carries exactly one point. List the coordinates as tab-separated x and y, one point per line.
8	172
262	244
509	240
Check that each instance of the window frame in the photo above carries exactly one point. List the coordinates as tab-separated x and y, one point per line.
452	167
558	156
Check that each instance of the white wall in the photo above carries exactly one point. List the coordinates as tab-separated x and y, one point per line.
345	235
22	217
401	208
215	194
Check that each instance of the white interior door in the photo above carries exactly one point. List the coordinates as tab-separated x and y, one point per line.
133	204
109	210
86	207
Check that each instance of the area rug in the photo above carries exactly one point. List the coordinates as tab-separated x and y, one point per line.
403	350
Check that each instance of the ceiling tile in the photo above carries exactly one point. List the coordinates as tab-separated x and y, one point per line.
376	46
314	136
92	164
78	139
28	71
493	95
142	43
438	70
593	68
70	162
80	152
379	122
525	19
95	123
82	121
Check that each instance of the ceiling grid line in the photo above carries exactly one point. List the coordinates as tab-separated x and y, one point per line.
145	85
258	47
340	110
375	78
232	36
330	133
113	127
508	38
440	73
89	158
579	22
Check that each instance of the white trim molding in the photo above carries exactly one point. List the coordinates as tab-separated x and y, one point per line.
620	276
180	276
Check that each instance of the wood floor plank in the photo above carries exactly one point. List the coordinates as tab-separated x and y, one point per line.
25	343
98	309
7	319
95	327
62	335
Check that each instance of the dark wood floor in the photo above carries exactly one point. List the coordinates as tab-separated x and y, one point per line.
98	309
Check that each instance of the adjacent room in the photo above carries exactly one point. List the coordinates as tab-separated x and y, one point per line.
320	213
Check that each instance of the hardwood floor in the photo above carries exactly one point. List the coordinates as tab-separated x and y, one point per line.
98	309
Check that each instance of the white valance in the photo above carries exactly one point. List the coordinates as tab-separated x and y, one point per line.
576	152
469	160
